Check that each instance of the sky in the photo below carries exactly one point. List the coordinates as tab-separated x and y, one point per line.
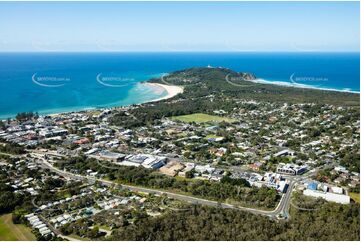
180	26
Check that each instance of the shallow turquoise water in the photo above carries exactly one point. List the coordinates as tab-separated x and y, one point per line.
59	82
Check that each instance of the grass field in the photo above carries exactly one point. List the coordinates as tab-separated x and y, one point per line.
201	118
355	196
10	231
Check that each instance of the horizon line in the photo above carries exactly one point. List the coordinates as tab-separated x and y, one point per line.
186	51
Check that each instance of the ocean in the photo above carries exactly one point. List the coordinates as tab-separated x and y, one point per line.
60	82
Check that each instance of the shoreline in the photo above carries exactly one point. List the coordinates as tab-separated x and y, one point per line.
299	85
171	90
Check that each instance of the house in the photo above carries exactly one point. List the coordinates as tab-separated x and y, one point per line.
81	141
341	169
255	166
204	169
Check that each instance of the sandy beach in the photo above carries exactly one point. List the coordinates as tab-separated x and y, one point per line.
171	90
159	88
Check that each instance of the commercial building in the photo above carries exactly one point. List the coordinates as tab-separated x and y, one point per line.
105	155
154	162
291	169
148	161
328	196
275	181
111	156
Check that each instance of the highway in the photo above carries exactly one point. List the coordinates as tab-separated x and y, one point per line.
281	209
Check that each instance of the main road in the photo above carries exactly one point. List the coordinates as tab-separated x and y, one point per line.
280	211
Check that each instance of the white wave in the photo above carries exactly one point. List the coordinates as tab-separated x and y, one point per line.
298	85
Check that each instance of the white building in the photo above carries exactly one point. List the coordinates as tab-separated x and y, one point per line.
154	162
341	169
291	169
148	161
284	153
328	196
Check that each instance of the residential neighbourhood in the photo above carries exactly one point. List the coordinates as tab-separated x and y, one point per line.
268	146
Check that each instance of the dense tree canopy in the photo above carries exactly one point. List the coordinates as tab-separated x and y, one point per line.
330	222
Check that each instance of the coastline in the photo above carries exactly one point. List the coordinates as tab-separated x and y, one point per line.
304	86
157	87
171	90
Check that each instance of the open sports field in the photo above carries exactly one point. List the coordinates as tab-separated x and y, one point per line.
201	118
10	231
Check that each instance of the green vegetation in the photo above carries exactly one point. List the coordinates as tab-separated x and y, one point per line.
26	116
235	182
2	125
81	228
12	149
212	81
350	158
14	205
11	231
212	136
355	197
206	90
201	118
331	222
237	190
77	237
8	199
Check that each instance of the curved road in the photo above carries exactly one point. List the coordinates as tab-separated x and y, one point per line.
281	209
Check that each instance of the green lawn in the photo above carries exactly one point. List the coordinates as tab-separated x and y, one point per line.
10	231
355	196
201	118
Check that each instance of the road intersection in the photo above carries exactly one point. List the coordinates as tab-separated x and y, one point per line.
281	211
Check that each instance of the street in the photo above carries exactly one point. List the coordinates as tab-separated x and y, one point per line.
280	210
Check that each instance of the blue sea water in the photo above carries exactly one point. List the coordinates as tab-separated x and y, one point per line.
60	82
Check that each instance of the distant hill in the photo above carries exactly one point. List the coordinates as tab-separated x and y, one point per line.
204	81
205	75
209	89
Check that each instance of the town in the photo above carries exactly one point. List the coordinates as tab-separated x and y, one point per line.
76	167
